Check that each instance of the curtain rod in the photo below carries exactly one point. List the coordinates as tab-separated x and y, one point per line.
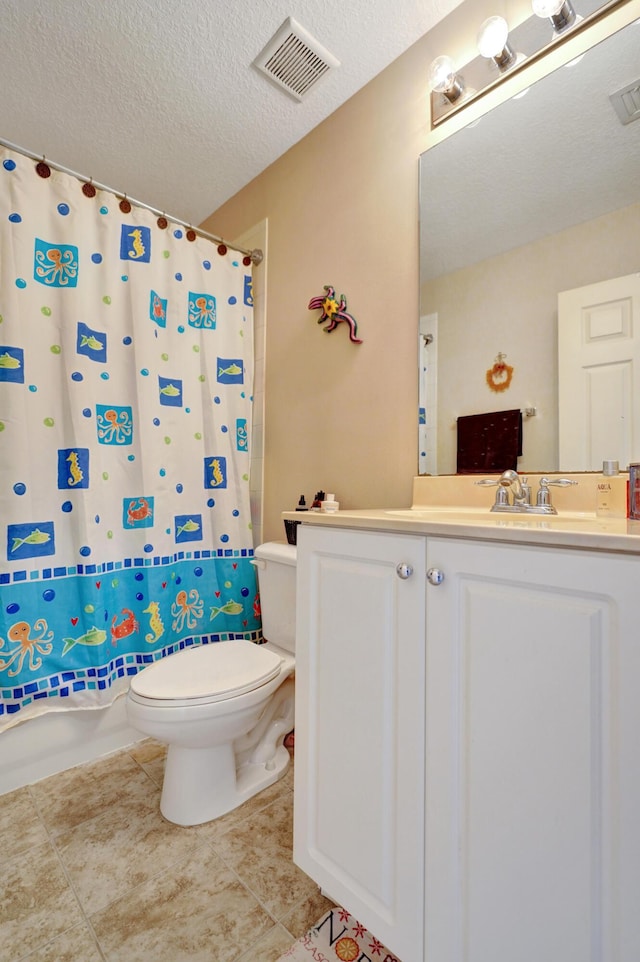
256	255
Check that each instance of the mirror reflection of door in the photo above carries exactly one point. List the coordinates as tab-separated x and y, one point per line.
599	374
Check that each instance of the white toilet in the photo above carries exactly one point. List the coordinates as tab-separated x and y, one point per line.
225	708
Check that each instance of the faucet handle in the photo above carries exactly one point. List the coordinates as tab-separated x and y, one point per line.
501	494
543	498
559	482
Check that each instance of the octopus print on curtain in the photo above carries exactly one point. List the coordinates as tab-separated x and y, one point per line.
125	413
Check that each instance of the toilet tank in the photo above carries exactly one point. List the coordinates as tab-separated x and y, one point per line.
275	564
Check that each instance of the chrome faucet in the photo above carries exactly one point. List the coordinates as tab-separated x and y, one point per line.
518	486
520	502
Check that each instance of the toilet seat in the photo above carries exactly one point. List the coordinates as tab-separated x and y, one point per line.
206	673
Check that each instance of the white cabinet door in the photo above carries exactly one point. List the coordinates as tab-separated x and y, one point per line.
533	726
359	768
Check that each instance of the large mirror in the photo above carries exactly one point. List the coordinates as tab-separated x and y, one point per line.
542	195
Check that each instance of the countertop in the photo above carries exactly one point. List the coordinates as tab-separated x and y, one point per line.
578	530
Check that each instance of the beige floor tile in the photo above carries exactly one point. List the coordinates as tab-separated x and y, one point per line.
151	756
269	948
36	902
71	797
20	824
76	945
229	822
120	849
198	912
306	913
259	850
147	750
157	892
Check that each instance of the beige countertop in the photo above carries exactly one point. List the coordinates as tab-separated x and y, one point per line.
579	530
456	506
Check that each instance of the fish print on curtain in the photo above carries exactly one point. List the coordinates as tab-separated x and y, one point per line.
125	413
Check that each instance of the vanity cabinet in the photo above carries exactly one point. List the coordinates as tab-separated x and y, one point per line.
467	764
359	768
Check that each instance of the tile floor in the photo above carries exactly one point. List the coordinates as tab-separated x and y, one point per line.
91	871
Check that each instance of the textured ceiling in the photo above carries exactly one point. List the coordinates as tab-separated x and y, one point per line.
158	99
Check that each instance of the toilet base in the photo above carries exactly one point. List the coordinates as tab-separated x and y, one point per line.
201	784
220	788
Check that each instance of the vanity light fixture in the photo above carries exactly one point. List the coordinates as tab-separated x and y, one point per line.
444	80
559	12
493	43
510	51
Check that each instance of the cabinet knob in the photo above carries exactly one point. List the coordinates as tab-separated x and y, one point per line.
435	576
404	571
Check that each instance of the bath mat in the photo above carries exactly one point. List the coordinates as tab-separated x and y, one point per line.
337	937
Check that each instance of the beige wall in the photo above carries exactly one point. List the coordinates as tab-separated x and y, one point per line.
342	209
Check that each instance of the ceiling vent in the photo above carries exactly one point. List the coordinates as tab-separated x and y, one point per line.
294	60
626	102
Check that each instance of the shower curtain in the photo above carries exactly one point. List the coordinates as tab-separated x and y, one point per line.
125	418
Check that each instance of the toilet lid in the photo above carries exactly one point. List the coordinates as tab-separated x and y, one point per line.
208	672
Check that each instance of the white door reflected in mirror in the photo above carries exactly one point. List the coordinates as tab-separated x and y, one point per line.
599	374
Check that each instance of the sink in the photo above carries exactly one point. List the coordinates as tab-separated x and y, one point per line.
429	511
449	514
439	509
463	515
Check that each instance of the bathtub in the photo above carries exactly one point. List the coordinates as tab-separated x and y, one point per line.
56	741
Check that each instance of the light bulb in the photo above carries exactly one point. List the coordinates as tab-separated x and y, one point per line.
559	12
441	74
546	8
492	36
493	42
443	79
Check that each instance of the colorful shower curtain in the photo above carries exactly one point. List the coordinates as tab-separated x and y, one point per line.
125	418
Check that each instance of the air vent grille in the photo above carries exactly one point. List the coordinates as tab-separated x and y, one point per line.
294	60
626	103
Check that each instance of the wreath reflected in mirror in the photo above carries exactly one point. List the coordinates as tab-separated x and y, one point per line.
499	376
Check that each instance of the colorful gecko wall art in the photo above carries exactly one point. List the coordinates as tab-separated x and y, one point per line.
334	311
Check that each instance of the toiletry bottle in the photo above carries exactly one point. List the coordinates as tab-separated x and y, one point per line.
604	489
633	492
330	505
317	501
302	504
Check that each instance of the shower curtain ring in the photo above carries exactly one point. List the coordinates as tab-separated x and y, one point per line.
88	189
42	168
